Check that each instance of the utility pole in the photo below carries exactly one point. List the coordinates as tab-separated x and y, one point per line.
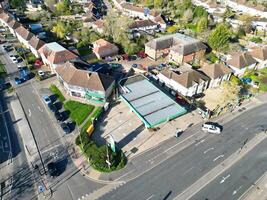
36	144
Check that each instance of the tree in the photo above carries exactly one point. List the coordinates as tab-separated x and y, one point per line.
247	22
228	13
60	29
219	38
187	16
19	4
148	3
62	8
202	24
199	11
158	3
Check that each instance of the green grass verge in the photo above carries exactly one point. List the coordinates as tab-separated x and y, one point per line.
78	111
2	70
57	92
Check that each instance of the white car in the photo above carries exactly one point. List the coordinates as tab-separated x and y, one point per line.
211	128
41	73
14	60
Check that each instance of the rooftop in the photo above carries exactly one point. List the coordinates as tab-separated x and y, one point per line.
54	46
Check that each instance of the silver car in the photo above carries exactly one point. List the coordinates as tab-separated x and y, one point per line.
211	128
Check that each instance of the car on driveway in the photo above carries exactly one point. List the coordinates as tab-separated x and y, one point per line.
52	169
65	127
47	99
211	127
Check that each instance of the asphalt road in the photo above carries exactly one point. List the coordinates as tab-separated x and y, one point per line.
234	182
171	177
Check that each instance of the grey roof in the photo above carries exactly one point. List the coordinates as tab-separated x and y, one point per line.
151	104
189	48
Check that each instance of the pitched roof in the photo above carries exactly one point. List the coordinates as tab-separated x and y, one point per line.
241	60
24	33
14	24
215	70
56	54
187	79
36	43
131	7
83	78
6	17
188	48
259	53
142	23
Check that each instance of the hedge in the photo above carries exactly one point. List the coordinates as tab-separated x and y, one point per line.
57	92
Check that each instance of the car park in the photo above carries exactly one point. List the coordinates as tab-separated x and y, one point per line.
211	127
52	169
47	99
65	127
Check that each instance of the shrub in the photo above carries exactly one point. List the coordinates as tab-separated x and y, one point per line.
212	57
256	39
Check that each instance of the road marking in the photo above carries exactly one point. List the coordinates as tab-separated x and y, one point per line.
188	170
234	192
224	178
218	157
40	109
150	197
212	148
30	113
201	141
124	175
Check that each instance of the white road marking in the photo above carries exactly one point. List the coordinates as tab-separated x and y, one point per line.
201	141
41	110
188	170
124	175
224	178
150	197
30	113
218	157
212	148
234	192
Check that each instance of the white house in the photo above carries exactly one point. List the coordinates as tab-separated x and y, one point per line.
260	54
188	84
143	25
54	55
217	73
240	62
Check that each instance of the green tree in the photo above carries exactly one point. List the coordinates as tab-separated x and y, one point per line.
63	8
219	38
61	29
158	3
149	3
228	13
202	24
19	4
199	11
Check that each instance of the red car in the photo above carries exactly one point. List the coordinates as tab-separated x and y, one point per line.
38	63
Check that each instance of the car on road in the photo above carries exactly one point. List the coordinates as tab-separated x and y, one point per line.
47	99
52	169
52	107
59	116
211	127
65	127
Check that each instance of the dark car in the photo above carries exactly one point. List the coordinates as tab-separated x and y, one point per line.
8	49
18	81
52	169
65	127
59	116
52	107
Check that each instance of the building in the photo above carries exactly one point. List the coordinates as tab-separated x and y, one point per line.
217	73
98	25
5	18
180	48
150	104
93	86
24	35
13	25
35	44
260	54
188	83
103	49
143	25
54	55
240	62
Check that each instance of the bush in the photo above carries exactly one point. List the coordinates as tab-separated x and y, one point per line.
57	92
256	39
212	57
31	58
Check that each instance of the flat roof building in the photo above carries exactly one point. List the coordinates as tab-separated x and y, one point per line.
148	102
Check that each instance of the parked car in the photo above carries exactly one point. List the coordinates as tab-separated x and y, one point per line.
47	99
8	49
18	80
14	60
58	116
134	65
13	56
65	127
52	169
211	127
41	73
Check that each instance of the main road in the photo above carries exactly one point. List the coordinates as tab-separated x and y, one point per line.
174	175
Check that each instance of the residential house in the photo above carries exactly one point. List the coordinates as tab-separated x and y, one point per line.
260	54
13	25
35	44
188	83
180	48
240	62
24	35
143	25
98	25
85	84
54	55
5	18
217	73
103	49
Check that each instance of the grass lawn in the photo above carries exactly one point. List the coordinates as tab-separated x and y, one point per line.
2	69
95	114
78	111
57	92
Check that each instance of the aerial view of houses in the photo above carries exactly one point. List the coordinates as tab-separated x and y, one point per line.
131	99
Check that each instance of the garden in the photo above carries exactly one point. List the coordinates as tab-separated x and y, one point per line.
257	78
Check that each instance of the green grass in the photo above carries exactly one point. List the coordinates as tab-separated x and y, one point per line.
78	111
2	70
57	92
95	114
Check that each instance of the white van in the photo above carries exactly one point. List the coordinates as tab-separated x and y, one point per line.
211	128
